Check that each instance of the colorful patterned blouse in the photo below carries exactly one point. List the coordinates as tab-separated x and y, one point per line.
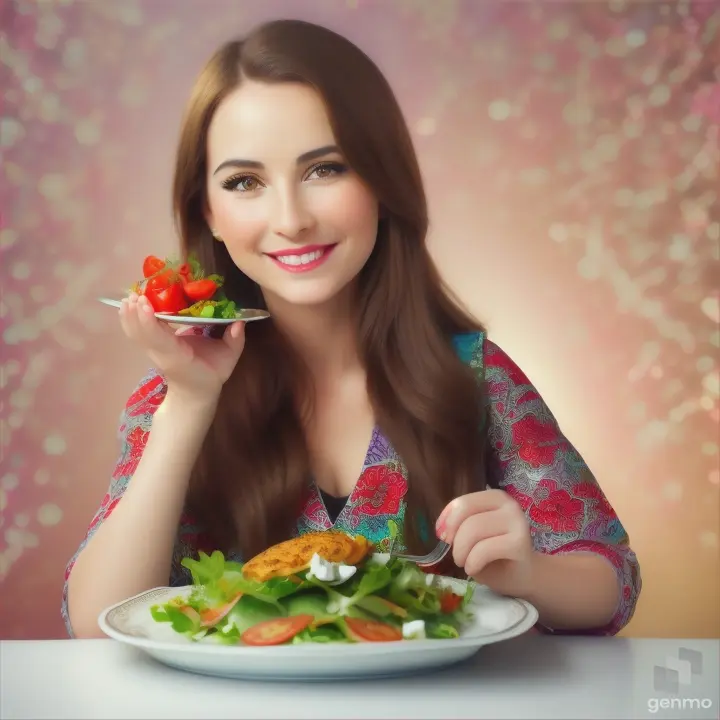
534	462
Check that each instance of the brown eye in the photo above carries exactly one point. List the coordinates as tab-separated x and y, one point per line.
248	184
242	183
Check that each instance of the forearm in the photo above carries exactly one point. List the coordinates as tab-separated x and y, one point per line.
131	551
573	591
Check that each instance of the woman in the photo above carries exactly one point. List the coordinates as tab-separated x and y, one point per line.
370	401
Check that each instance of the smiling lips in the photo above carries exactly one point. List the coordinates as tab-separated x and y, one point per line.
301	259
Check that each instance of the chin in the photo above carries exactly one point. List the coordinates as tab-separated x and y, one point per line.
307	296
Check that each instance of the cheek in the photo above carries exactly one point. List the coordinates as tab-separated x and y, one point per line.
352	210
239	222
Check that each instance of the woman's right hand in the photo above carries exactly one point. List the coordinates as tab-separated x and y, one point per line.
190	363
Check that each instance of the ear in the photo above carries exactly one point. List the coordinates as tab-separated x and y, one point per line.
210	222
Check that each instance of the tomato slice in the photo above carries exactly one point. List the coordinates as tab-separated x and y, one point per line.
277	630
198	290
371	631
450	602
152	265
170	300
212	616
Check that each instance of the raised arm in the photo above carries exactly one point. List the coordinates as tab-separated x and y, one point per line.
132	543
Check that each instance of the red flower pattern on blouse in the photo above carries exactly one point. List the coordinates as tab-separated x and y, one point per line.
555	509
535	441
382	490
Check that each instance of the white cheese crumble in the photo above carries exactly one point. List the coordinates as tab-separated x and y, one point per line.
329	572
414	630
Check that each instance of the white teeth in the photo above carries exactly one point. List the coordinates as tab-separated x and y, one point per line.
299	259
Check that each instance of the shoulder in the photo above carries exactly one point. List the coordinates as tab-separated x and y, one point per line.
480	352
470	347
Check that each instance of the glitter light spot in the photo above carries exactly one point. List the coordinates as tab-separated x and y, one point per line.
680	248
38	293
3	499
22	520
711	307
499	110
74	53
709	448
709	540
11	132
54	445
20	270
672	491
8	238
705	364
49	515
636	38
426	126
87	132
41	476
711	383
9	481
53	186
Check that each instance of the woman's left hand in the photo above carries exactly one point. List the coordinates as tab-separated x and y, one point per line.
490	539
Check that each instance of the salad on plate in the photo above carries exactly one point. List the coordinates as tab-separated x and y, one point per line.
321	587
183	289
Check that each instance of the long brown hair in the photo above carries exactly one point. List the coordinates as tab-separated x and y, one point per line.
253	471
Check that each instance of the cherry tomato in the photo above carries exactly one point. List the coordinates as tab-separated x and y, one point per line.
152	265
185	273
371	631
450	602
200	290
161	281
276	631
168	300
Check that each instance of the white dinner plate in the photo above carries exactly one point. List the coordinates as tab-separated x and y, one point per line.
244	315
496	618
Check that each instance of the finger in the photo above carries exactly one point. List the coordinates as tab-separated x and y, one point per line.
486	552
128	317
234	337
156	336
190	332
474	530
461	508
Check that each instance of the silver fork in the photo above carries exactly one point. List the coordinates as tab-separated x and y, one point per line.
431	558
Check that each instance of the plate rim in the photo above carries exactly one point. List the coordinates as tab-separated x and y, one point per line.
190	320
529	618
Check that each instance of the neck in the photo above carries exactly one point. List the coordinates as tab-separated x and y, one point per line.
323	335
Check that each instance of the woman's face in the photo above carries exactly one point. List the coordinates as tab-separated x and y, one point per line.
294	217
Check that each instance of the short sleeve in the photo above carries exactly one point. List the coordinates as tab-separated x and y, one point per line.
534	462
134	429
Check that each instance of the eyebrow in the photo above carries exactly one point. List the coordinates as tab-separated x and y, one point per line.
305	157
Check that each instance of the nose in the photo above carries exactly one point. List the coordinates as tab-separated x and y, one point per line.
291	216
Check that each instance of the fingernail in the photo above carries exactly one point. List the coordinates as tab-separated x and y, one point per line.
441	524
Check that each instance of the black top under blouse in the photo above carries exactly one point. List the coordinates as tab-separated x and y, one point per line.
333	505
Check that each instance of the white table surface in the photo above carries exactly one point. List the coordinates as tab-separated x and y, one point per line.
532	676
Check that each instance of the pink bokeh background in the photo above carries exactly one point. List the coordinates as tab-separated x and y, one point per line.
570	152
